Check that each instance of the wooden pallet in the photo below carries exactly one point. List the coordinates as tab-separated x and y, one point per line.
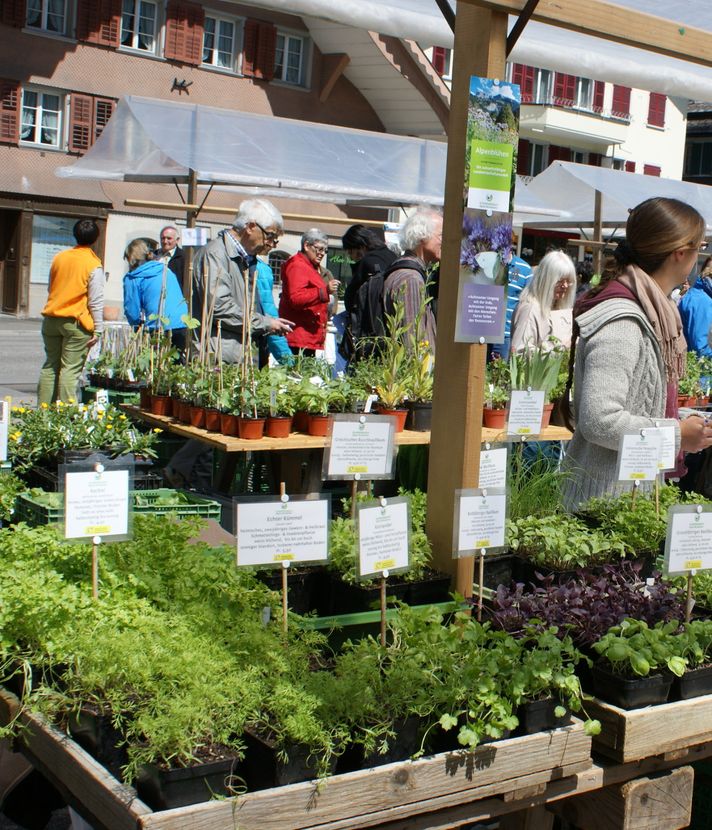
510	770
629	735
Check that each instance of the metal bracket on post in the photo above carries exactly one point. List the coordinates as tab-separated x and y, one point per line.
448	12
522	20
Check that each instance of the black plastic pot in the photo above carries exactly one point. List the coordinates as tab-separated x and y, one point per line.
262	768
498	570
340	597
164	789
539	716
524	570
95	733
420	416
630	693
434	587
304	587
693	683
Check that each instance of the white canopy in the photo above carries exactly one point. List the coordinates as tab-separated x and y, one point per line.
540	45
570	188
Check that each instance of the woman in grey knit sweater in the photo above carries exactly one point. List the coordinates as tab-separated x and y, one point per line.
631	351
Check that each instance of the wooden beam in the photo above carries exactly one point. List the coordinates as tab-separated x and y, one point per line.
616	23
480	40
332	68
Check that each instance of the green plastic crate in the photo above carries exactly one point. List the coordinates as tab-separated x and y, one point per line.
38	511
115	396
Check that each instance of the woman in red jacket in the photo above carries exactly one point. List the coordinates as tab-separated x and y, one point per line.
306	296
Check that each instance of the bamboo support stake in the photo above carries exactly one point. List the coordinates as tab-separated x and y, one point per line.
384	577
354	494
636	484
285	567
95	542
688	603
480	587
657	496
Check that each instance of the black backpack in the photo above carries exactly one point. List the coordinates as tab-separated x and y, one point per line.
366	325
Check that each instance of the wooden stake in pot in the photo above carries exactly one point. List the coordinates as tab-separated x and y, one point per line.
95	542
688	603
354	493
285	568
384	577
480	587
634	491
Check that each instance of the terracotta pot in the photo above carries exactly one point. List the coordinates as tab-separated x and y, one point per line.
197	416
278	426
212	420
175	408
318	424
145	398
184	412
251	428
300	421
161	405
399	414
229	424
546	415
494	418
682	400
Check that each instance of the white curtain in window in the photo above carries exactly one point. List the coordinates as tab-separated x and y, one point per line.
55	15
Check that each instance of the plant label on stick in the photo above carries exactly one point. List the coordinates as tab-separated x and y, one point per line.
362	445
526	408
688	545
480	520
639	455
96	503
383	537
4	426
270	532
668	455
493	467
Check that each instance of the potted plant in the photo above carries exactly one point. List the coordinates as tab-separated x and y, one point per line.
496	394
537	369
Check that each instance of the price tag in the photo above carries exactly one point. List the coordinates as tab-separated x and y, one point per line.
370	401
480	519
362	445
668	455
96	503
285	530
525	412
493	468
688	545
102	399
383	537
4	428
639	455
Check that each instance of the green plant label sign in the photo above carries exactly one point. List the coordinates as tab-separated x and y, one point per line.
383	537
480	519
688	545
490	175
639	455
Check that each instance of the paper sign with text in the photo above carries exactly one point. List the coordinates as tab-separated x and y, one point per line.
493	468
480	520
276	531
194	237
688	545
668	453
525	412
639	455
383	537
96	504
360	445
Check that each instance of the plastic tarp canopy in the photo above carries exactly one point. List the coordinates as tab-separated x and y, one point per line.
571	189
547	47
152	140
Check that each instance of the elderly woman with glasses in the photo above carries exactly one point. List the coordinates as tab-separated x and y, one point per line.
306	295
544	313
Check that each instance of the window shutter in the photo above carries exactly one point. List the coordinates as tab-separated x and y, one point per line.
81	122
99	21
258	52
9	111
656	109
524	76
621	101
630	167
523	157
651	170
564	89
438	60
599	90
184	32
103	108
594	159
13	13
559	153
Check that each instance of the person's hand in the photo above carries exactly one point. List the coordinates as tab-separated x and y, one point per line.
93	341
278	325
695	434
333	286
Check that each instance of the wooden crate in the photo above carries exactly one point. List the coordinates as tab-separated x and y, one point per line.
629	735
509	770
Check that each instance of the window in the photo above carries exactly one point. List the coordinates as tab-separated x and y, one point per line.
138	25
41	121
698	159
530	158
584	94
656	110
47	15
289	59
442	61
219	35
275	261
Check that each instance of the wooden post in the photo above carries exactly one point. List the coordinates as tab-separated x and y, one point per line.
480	42
190	220
597	232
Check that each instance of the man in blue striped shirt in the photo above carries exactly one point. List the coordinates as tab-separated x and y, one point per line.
519	273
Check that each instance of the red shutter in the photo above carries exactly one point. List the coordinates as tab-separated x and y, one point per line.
99	21
594	159
564	89
260	41
523	152
524	76
184	32
103	108
559	153
9	111
438	61
81	122
630	167
599	90
13	13
621	101
651	170
656	109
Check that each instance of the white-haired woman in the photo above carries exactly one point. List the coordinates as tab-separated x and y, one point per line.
305	296
544	313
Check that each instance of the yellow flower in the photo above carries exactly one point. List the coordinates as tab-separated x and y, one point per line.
44	405
122	417
60	404
108	426
16	436
72	400
156	429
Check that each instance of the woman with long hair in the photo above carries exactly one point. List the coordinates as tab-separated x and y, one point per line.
628	350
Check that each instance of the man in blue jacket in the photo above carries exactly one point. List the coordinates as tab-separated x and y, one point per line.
696	312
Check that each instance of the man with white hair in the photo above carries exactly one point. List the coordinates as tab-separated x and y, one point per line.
219	281
421	238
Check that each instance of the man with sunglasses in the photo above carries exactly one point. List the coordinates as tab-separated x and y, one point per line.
223	276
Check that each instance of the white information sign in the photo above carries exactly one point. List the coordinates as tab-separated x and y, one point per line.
361	445
480	519
384	537
96	504
526	408
688	546
493	468
668	456
4	424
194	237
288	530
639	455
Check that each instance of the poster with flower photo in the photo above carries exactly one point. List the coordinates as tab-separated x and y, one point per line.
490	173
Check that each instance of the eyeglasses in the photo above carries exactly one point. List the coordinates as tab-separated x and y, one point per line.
318	249
270	236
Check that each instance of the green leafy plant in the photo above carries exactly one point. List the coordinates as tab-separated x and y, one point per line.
633	648
10	488
536	369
